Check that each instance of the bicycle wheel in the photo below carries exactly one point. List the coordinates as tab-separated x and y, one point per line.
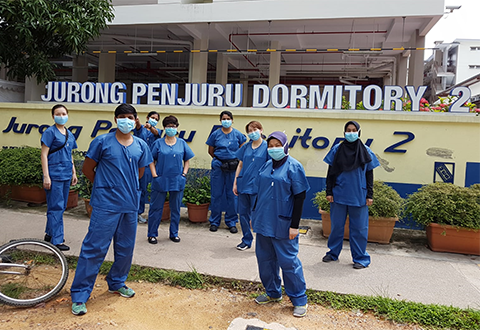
31	271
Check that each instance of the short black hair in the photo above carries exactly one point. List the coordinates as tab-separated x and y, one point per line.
125	109
169	120
56	106
151	113
226	112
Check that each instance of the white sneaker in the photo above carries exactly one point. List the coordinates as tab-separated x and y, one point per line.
141	219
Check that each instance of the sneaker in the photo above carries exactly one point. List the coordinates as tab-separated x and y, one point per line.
175	239
357	265
300	311
47	238
141	219
328	258
63	247
79	309
233	230
152	240
213	228
265	299
242	246
125	292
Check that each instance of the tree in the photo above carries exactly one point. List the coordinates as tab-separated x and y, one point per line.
34	31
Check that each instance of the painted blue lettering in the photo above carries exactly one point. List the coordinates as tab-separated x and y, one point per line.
101	125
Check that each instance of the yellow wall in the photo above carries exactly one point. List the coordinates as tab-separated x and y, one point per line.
456	137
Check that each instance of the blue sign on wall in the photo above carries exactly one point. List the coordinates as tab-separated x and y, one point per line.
444	172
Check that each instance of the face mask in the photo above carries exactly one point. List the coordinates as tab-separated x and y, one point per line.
171	131
226	123
276	153
254	135
152	122
351	136
61	120
125	125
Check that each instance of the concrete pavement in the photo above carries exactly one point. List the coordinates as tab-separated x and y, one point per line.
405	269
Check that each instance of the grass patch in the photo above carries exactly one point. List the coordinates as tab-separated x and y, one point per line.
432	316
13	290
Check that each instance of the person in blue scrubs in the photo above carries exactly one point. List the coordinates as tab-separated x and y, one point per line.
350	192
282	186
172	156
251	156
58	173
149	134
223	145
114	163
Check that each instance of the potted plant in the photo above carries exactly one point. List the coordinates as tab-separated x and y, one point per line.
385	211
196	195
85	191
21	173
451	215
166	205
72	200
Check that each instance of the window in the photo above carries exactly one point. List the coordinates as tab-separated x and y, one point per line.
474	66
475	48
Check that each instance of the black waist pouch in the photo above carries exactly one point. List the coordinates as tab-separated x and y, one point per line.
229	165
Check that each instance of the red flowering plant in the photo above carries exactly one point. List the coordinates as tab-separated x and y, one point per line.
442	105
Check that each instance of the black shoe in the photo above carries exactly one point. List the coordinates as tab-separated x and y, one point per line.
328	258
357	265
63	247
175	239
47	238
213	228
233	230
152	240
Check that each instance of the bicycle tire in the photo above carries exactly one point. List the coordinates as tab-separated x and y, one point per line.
45	275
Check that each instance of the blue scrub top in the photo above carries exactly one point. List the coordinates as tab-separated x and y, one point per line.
116	186
226	145
351	187
170	165
146	135
252	160
60	162
276	187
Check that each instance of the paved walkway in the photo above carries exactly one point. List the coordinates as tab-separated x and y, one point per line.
404	269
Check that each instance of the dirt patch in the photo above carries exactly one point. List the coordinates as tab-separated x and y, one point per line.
158	306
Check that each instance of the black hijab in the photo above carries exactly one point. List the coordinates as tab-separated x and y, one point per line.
350	155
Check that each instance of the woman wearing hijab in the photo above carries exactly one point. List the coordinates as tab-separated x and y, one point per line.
282	187
350	192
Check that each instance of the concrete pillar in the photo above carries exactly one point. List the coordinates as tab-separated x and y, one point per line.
274	70
33	90
415	72
222	69
3	72
198	63
106	68
402	62
244	82
80	69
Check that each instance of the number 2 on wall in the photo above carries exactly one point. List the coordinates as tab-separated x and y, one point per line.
393	148
463	94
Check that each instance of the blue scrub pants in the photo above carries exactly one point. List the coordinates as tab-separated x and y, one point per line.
156	210
358	218
57	197
273	254
222	197
245	207
104	226
144	181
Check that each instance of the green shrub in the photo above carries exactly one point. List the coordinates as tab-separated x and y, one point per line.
446	204
386	201
197	188
21	166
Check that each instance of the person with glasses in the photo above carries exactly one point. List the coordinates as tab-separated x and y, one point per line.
172	161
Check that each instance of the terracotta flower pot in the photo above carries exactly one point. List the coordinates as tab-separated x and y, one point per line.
166	211
72	199
380	230
198	213
445	238
29	194
88	207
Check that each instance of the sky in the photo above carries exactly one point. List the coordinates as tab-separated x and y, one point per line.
463	23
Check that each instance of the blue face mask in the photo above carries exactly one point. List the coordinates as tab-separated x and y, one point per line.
254	135
125	125
351	136
171	131
60	120
226	123
276	153
152	122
